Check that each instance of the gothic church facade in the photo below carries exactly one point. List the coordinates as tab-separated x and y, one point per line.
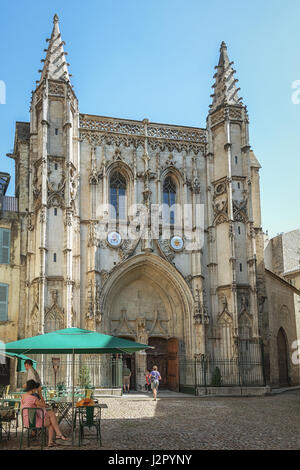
89	189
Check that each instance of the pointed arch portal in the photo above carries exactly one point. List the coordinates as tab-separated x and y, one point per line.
148	300
282	350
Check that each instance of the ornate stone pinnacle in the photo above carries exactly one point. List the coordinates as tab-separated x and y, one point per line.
55	18
225	89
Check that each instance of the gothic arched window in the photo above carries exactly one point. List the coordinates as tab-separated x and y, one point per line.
53	320
169	199
226	345
117	193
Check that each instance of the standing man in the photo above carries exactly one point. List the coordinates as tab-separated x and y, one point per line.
126	378
32	374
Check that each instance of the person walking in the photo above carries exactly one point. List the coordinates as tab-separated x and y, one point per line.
126	378
155	378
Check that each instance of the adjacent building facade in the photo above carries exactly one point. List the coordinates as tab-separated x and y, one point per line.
10	275
141	230
282	262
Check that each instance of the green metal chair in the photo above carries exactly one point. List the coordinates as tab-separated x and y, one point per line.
17	408
32	413
14	406
61	389
89	417
45	392
8	414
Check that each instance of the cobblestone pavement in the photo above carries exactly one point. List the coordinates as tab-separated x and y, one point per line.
271	422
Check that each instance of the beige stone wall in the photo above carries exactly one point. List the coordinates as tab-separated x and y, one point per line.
291	250
10	274
280	310
294	278
255	193
268	255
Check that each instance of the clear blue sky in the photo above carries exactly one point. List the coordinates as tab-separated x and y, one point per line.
155	59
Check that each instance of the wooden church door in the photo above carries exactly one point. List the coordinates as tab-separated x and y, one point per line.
173	365
282	358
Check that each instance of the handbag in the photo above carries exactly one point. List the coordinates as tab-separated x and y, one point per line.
85	402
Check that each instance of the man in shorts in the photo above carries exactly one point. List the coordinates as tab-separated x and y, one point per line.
126	379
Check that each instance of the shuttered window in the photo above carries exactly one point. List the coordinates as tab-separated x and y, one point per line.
3	302
4	246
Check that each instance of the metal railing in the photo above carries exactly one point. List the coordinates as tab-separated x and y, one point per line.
244	370
100	371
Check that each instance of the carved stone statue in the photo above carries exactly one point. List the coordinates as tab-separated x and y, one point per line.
224	303
141	331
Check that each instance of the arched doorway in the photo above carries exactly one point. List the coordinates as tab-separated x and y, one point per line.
165	357
148	300
5	372
282	351
158	357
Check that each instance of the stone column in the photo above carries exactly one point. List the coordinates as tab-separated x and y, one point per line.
141	356
141	365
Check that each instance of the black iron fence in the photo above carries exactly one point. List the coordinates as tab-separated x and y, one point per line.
101	371
246	369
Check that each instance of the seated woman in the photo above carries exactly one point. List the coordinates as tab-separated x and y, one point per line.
33	399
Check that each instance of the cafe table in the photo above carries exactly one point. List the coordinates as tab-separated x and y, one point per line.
63	407
9	401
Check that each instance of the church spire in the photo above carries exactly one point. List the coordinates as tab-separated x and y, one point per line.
225	89
55	64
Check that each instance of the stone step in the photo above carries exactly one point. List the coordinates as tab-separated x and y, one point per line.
275	391
108	391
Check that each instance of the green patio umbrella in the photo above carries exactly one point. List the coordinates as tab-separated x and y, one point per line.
74	341
21	360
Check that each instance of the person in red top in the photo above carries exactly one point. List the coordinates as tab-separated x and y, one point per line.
148	381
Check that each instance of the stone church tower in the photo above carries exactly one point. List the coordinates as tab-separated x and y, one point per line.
230	213
141	230
50	197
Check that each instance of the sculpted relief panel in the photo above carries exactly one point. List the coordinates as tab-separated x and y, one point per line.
140	312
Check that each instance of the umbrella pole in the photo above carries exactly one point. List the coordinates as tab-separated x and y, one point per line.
73	373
